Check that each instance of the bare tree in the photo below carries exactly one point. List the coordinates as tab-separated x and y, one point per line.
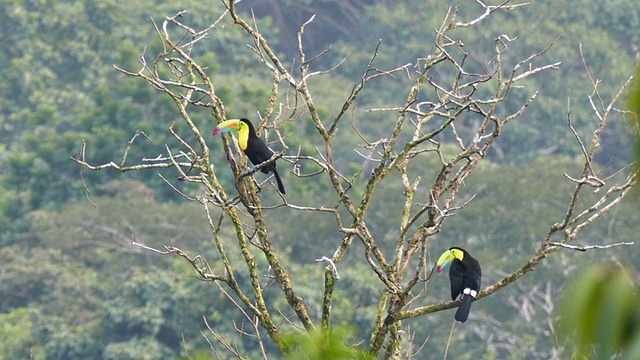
400	273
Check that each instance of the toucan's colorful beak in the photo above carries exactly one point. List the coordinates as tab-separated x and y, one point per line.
445	259
226	126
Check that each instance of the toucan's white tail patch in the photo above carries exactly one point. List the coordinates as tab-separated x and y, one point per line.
472	293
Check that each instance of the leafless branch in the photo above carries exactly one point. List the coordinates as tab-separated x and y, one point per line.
589	247
332	264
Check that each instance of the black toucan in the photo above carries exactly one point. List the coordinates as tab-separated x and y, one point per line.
465	275
255	149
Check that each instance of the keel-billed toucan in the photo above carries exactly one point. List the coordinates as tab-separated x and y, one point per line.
255	149
465	275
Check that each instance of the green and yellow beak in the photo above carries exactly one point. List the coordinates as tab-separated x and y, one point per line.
445	260
226	126
448	256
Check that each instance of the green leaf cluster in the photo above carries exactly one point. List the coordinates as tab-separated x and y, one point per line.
599	315
319	345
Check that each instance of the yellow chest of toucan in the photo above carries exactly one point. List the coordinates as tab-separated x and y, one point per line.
243	136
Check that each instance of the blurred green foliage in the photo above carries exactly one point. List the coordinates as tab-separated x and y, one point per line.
599	315
320	345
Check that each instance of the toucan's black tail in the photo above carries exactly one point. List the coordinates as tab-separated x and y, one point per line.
279	181
465	306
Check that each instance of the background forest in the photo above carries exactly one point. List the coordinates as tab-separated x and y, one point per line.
73	287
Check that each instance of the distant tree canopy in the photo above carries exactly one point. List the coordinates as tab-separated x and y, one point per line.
59	85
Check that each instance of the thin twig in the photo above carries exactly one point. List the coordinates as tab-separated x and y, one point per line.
446	349
332	264
589	247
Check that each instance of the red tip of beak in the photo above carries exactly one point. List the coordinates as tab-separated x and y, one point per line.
439	269
215	131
